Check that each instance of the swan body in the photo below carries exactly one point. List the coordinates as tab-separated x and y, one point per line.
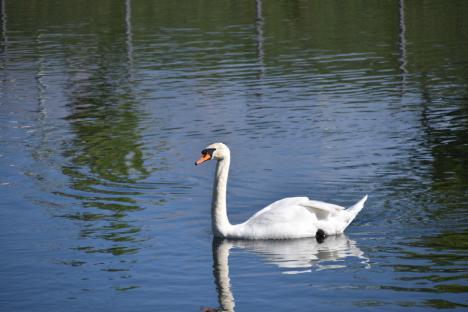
293	217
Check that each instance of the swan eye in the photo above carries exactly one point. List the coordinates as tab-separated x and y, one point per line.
208	151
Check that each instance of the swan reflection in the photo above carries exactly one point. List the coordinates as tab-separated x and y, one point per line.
294	256
301	255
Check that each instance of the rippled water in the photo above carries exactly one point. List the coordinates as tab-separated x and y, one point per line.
105	105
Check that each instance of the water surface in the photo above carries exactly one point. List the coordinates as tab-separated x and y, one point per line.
105	105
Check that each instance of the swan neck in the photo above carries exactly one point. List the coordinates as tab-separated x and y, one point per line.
219	218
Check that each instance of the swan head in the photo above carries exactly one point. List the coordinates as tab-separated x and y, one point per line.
216	151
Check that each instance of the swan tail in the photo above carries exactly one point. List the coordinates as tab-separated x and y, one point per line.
356	208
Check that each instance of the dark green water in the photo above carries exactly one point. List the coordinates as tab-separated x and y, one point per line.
104	106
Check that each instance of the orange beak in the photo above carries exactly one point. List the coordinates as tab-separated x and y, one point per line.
202	159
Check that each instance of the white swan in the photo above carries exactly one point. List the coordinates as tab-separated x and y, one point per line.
293	217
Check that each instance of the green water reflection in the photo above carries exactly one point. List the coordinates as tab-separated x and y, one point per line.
443	272
105	156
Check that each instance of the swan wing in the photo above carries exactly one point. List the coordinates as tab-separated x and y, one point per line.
280	205
283	219
323	206
290	217
285	205
322	210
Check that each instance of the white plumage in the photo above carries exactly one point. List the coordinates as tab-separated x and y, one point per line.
294	217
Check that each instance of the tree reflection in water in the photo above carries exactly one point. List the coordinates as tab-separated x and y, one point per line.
106	159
